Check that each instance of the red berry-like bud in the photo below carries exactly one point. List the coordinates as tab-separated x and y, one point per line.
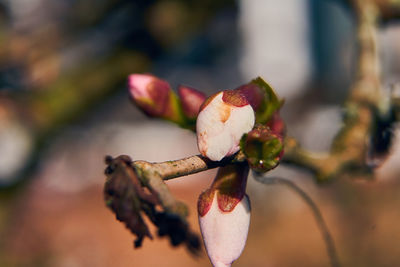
191	100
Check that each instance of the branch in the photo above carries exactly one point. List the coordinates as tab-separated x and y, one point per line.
134	188
330	245
365	138
177	168
131	191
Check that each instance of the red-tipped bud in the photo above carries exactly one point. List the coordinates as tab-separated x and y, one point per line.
154	96
262	98
149	93
191	100
277	125
224	215
223	119
254	94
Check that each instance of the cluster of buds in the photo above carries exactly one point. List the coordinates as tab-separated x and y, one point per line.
155	98
246	119
226	124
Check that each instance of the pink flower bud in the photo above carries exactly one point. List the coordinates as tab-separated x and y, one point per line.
154	96
254	94
224	215
262	98
276	124
191	100
149	93
223	119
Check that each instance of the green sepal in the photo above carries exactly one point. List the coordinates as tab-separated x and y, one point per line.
263	148
176	114
270	104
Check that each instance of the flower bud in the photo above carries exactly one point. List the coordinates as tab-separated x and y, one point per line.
224	215
263	148
154	96
191	100
262	98
223	119
277	125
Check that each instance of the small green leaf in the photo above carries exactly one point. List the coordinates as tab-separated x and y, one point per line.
270	104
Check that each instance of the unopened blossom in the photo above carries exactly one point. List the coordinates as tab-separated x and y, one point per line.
224	215
154	96
223	119
263	147
276	124
262	98
191	100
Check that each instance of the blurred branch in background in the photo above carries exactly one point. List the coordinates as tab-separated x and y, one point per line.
365	138
323	228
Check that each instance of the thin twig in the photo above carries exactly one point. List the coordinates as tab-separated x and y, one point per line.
330	245
177	168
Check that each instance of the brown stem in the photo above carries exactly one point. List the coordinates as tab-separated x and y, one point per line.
367	86
176	168
349	149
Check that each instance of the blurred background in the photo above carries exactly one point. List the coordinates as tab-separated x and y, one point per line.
64	106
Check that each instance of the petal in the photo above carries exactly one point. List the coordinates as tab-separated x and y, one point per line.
225	233
220	126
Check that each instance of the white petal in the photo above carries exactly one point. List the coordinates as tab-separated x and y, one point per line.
241	121
225	233
219	136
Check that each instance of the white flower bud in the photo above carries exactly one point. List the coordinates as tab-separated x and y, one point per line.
225	233
222	121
